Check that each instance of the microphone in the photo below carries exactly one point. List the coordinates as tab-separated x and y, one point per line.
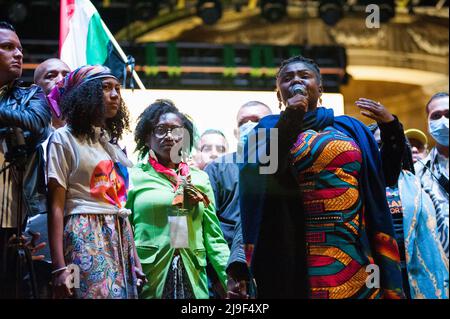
298	89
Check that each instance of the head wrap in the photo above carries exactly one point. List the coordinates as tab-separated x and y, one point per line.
73	80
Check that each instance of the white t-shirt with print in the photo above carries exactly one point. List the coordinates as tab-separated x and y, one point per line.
87	173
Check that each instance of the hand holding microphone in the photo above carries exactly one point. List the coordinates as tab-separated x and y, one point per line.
291	120
298	99
298	89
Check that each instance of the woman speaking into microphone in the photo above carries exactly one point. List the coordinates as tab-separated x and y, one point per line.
332	217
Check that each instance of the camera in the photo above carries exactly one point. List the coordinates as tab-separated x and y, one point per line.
14	142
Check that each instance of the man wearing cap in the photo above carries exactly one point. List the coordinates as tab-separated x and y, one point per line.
433	170
419	143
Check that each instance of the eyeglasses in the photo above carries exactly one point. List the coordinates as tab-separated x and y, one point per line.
161	131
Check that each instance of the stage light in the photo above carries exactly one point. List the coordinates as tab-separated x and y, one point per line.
331	11
147	9
17	12
387	10
209	11
272	10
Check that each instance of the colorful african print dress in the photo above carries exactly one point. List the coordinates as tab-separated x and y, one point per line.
328	165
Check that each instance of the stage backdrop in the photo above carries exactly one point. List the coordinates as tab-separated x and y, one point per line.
208	109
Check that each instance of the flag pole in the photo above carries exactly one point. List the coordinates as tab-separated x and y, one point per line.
122	55
63	24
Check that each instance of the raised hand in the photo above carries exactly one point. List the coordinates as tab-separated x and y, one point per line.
374	110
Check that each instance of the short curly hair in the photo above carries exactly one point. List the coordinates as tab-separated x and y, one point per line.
82	106
301	59
150	118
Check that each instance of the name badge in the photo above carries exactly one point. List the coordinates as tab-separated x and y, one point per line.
178	227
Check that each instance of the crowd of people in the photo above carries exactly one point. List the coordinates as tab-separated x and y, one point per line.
351	211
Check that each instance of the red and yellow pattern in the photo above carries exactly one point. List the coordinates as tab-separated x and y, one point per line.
328	165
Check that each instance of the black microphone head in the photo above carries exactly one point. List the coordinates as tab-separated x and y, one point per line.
298	89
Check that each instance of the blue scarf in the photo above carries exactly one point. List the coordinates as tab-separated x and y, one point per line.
379	242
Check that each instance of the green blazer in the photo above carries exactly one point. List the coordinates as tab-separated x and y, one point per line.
149	199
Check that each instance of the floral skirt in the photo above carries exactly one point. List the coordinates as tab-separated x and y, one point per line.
104	254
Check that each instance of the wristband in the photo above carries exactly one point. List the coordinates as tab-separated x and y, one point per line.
58	270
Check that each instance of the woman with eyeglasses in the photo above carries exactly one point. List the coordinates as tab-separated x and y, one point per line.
173	214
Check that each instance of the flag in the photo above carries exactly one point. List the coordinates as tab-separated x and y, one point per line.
85	39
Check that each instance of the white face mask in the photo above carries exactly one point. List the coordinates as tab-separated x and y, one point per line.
439	130
244	130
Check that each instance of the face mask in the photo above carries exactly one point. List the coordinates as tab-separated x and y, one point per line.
244	130
439	130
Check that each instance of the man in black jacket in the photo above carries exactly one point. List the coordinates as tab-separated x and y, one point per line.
24	124
224	176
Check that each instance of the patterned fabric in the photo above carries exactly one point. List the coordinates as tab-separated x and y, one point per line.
104	254
328	165
379	241
429	170
426	262
167	172
380	231
395	205
177	284
74	79
441	219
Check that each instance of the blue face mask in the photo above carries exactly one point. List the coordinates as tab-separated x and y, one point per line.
439	130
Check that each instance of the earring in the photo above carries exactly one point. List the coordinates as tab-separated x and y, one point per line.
279	104
152	154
